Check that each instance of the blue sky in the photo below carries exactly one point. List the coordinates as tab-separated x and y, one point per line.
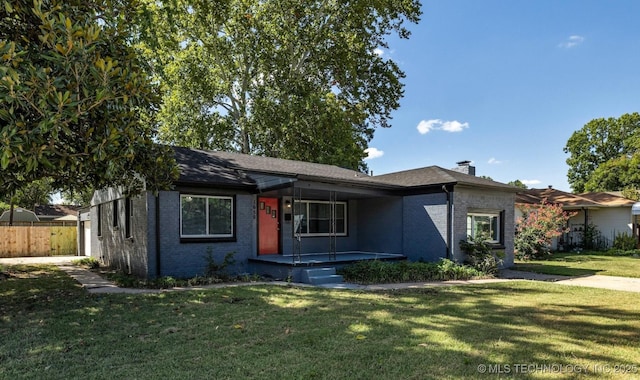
504	83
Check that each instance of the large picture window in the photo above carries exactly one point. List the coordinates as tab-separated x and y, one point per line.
206	216
313	218
487	224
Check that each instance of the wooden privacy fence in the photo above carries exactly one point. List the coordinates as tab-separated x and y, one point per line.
38	240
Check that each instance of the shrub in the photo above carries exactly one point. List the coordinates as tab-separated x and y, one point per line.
213	269
480	254
380	272
625	242
538	226
593	239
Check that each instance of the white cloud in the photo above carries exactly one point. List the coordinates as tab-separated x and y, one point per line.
426	126
454	126
572	41
531	182
492	160
379	52
373	153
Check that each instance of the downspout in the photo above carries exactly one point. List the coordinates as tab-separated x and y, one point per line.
586	217
449	220
157	237
586	226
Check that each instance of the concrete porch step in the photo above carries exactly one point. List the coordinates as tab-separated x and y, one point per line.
321	280
319	276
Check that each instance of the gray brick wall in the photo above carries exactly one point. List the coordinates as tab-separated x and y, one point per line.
113	247
380	225
187	259
466	199
424	227
413	225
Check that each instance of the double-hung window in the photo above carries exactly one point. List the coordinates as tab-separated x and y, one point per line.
206	216
485	224
315	218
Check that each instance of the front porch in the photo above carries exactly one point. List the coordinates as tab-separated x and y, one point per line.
292	266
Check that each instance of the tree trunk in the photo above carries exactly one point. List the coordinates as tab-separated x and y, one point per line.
11	213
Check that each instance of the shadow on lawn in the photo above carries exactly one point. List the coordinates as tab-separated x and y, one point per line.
564	270
281	332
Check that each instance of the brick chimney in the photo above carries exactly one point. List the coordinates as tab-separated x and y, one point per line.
465	167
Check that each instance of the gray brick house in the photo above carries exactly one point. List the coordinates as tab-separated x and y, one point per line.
278	215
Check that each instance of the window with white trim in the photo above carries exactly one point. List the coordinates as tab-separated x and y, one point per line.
487	224
315	218
206	216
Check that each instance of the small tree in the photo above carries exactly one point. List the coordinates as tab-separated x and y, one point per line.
538	226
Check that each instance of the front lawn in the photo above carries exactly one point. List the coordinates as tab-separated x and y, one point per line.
50	328
584	264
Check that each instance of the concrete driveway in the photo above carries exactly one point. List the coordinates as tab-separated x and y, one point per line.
628	284
40	260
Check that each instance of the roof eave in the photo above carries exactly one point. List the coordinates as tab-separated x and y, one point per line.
342	181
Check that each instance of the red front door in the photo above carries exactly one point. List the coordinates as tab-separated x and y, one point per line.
268	226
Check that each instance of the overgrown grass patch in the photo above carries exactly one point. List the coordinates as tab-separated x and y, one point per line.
612	263
381	272
87	262
51	328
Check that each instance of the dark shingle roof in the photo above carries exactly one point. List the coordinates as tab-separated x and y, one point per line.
200	166
203	167
56	210
435	175
227	168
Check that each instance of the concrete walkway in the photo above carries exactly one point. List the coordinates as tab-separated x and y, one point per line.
627	284
97	284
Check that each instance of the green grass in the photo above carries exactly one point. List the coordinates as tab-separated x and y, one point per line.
51	328
584	264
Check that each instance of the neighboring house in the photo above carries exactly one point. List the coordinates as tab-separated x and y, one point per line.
43	213
57	212
279	215
19	215
608	212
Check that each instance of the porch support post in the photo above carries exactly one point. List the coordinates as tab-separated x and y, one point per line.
449	253
332	225
295	225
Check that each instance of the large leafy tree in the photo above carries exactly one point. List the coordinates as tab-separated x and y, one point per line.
518	183
604	154
284	78
38	192
75	99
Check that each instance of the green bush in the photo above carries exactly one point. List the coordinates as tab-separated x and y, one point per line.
537	228
380	272
480	254
593	239
625	242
